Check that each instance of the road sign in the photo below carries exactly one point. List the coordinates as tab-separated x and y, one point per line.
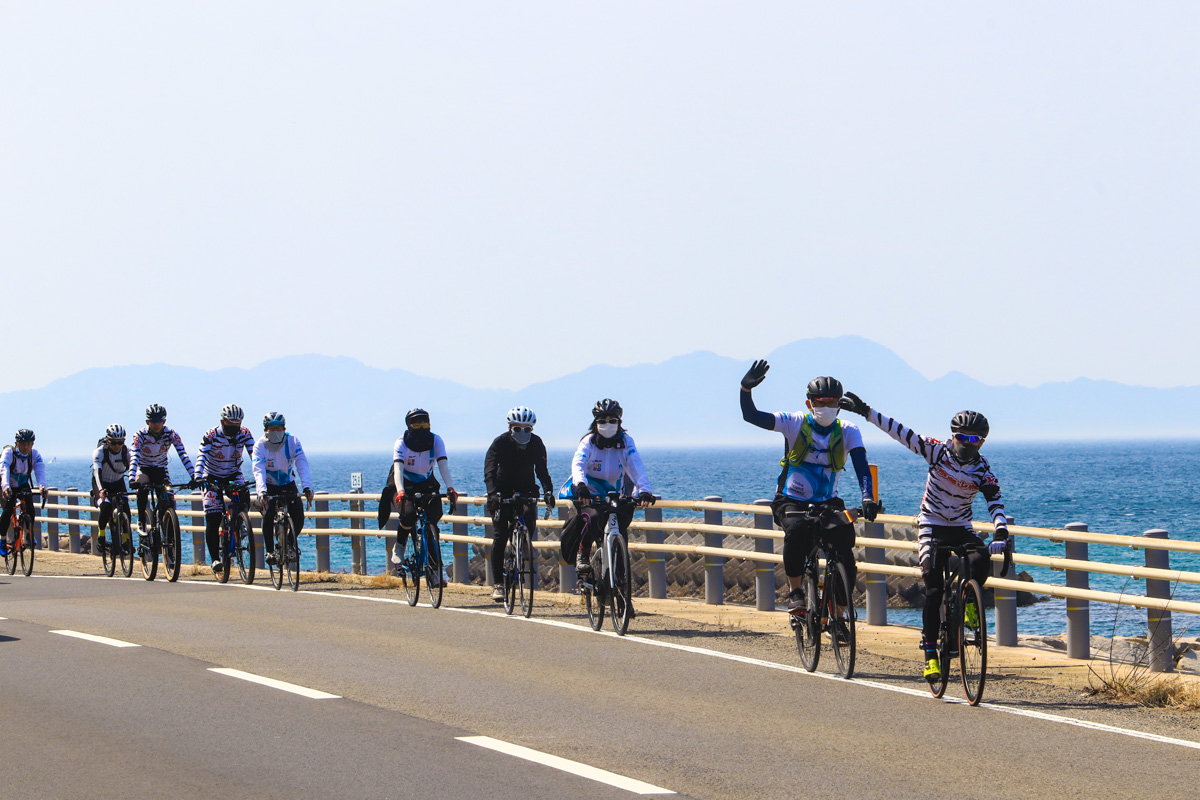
356	481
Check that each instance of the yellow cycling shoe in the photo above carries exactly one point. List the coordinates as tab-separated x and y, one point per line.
933	670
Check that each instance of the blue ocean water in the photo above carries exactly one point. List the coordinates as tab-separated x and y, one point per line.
1115	487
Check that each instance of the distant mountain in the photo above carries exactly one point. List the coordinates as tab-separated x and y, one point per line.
342	404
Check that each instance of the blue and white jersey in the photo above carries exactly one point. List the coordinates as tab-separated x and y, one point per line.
149	450
273	464
221	455
416	466
16	468
814	480
608	469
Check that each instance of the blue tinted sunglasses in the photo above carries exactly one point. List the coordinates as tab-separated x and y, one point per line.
968	438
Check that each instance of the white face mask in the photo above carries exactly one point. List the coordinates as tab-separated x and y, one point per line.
522	437
824	416
607	430
275	437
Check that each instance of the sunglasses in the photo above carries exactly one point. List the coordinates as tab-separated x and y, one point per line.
824	402
521	428
116	441
420	426
606	421
968	438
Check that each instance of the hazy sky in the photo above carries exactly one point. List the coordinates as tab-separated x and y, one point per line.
499	193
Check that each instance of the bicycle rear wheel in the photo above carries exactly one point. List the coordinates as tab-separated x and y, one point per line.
122	542
972	643
510	579
593	596
620	600
937	687
243	548
28	538
841	618
807	626
168	530
526	573
276	569
409	574
291	561
107	557
433	566
148	555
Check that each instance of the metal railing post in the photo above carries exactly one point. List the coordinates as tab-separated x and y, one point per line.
52	527
568	581
876	583
1162	649
358	544
714	566
73	529
320	503
656	563
462	550
1079	614
764	571
1006	608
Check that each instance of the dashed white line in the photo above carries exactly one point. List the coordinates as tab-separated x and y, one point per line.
303	691
566	765
93	638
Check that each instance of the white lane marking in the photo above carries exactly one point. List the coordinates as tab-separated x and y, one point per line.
92	638
304	691
566	765
633	639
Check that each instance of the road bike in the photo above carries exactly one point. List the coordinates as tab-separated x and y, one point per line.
22	534
520	560
162	536
828	596
236	539
422	554
962	633
120	547
610	578
285	566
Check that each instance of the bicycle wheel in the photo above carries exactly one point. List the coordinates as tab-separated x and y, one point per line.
28	538
244	548
937	687
526	573
841	618
972	643
509	579
148	554
409	574
224	548
807	627
620	598
433	566
593	597
107	557
168	531
292	560
280	528
122	541
11	537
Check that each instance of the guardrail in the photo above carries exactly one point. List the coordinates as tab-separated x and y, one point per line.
1075	563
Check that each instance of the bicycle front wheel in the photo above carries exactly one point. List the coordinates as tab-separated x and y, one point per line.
122	541
28	537
409	571
291	561
148	555
280	528
841	618
937	686
526	573
972	641
168	529
225	549
620	600
433	566
510	579
107	557
244	548
592	596
807	626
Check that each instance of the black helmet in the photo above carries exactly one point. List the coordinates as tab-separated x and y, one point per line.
155	413
606	408
416	415
274	418
25	435
970	422
824	386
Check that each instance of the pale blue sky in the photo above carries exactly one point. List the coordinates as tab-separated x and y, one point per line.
499	193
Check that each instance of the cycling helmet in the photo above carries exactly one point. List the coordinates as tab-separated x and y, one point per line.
155	413
416	415
233	413
970	422
25	435
114	432
824	386
606	408
274	418
521	416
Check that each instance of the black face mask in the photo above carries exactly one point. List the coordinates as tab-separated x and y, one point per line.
231	430
418	440
965	453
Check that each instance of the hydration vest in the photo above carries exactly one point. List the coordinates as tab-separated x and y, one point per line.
803	444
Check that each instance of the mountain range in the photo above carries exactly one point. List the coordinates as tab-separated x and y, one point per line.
341	404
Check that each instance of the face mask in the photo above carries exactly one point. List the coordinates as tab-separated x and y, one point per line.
965	452
419	440
824	416
522	437
231	430
275	437
608	430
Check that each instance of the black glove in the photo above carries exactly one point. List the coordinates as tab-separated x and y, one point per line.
452	496
493	504
548	497
870	509
754	376
582	492
645	499
854	404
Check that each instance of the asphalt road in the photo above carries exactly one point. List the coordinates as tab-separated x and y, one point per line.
100	721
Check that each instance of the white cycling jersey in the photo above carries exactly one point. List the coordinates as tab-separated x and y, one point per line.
273	464
221	454
814	480
107	466
16	468
416	466
148	450
609	469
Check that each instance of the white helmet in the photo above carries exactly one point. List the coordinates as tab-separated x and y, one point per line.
521	416
233	413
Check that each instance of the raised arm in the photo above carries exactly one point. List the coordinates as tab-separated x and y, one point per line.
753	377
926	449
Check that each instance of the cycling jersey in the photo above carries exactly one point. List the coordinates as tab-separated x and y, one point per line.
814	478
15	468
273	465
952	485
606	469
416	466
509	468
149	450
107	466
221	454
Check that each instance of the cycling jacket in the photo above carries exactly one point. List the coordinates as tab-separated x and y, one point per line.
273	465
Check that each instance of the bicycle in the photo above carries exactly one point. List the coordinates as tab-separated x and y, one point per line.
287	560
162	535
610	580
520	561
956	635
120	548
22	534
828	598
236	539
422	554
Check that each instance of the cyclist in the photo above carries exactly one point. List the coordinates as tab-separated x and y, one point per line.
413	459
817	446
17	465
149	454
606	460
276	455
220	461
511	463
110	461
957	472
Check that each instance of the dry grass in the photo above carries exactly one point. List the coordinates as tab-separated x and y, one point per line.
1172	693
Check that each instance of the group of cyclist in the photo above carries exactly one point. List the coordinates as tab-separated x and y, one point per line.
807	507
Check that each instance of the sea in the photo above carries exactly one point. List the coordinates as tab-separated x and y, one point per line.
1117	487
